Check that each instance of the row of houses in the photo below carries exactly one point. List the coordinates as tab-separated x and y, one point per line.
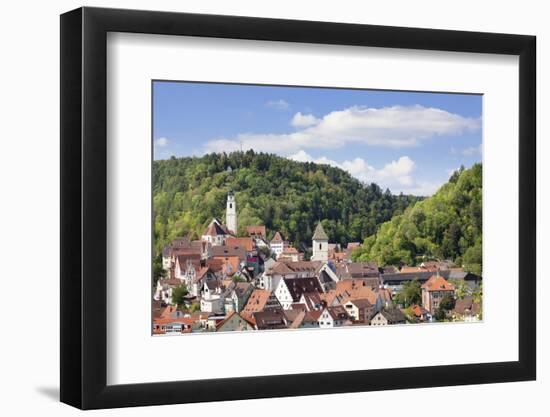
250	283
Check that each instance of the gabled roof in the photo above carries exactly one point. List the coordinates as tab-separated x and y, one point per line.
361	303
277	238
231	316
290	250
351	289
171	282
393	315
256	230
284	266
437	283
213	284
270	319
467	306
191	258
338	313
244	242
319	233
298	286
241	288
215	228
363	269
231	264
297	319
419	311
201	273
226	251
312	300
256	302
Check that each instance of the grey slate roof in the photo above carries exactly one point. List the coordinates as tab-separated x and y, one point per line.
393	315
319	233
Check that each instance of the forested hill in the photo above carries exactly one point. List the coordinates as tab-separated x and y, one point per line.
447	225
279	193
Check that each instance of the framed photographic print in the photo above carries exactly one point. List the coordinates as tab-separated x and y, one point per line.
361	197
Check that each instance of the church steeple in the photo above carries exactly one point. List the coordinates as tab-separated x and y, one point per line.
231	212
320	244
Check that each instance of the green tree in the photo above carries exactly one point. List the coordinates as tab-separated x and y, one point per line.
410	294
158	270
178	294
461	288
447	303
446	225
284	195
238	278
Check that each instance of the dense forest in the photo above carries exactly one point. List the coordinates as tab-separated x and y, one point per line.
279	193
447	225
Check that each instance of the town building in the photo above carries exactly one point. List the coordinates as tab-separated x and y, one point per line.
231	213
320	244
277	244
388	316
434	290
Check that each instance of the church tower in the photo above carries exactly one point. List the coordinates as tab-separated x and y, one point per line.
231	213
320	244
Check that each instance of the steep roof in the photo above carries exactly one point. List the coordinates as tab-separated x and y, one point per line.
437	283
284	266
277	238
467	306
256	230
393	315
256	302
244	242
351	289
338	313
231	316
191	258
215	228
319	233
270	319
418	310
225	251
298	286
361	303
241	288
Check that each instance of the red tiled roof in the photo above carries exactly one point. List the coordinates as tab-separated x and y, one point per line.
277	238
244	242
256	230
437	283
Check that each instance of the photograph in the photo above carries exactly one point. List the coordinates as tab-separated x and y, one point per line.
289	207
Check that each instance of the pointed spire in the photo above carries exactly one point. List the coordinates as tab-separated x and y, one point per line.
319	233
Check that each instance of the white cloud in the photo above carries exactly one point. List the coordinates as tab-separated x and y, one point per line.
162	142
397	127
303	120
472	150
278	104
395	175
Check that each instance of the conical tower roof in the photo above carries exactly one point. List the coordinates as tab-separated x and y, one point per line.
319	233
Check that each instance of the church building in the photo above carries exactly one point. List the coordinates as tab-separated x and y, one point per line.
320	244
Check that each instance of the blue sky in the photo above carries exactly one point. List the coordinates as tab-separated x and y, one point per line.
407	142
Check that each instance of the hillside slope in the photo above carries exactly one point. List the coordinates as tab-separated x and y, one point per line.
279	193
447	225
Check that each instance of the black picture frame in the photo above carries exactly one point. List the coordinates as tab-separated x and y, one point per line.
84	207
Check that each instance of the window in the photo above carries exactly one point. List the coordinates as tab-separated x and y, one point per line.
230	205
319	246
